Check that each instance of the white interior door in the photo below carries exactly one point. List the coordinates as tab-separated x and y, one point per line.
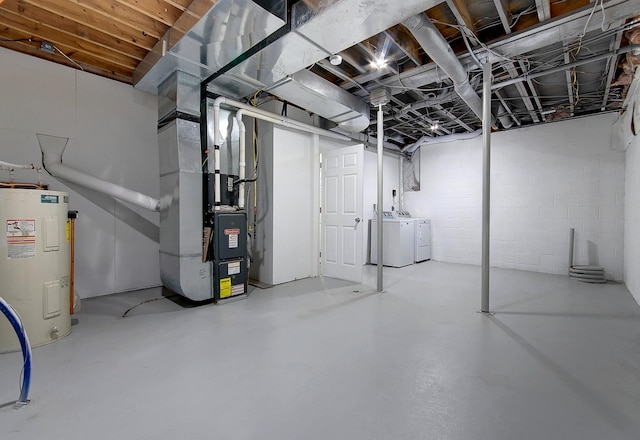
342	225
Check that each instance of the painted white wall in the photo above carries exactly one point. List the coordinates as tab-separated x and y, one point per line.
631	143
112	135
390	181
545	180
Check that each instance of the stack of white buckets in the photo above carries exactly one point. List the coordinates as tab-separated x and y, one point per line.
34	265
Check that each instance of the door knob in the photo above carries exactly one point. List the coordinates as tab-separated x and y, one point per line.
358	220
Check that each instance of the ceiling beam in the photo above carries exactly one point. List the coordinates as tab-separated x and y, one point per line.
569	77
74	29
68	44
72	11
453	117
164	13
507	107
544	10
513	73
613	63
502	7
461	12
534	92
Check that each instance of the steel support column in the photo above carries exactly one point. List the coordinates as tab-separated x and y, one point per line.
486	182
379	206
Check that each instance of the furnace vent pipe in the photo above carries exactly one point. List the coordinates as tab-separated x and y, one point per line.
14	166
52	149
437	48
258	114
243	164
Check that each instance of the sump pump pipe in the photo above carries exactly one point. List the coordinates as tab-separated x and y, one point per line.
257	114
16	323
53	148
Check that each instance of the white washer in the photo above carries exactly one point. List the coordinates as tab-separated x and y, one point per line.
399	238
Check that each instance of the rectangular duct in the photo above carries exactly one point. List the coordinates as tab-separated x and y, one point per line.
227	30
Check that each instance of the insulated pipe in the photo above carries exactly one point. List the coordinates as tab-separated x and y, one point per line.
52	162
380	198
486	182
241	174
16	323
437	48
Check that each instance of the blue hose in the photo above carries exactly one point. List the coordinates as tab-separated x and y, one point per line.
14	319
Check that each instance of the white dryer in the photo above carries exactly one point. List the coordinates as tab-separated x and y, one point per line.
422	244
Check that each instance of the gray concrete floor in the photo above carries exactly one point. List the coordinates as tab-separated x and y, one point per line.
326	359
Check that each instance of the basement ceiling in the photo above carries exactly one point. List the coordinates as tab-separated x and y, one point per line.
526	41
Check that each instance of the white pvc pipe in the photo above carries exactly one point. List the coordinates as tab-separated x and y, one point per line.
52	161
241	174
11	166
258	114
216	157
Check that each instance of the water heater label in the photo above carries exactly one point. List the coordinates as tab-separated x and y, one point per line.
21	238
48	198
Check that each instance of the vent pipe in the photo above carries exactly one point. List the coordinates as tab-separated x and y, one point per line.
52	148
437	48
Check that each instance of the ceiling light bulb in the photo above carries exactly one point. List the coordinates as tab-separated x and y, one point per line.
378	59
434	127
335	59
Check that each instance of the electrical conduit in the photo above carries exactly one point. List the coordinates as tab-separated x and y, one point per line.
16	323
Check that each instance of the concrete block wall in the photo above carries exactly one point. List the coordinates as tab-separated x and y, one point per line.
545	180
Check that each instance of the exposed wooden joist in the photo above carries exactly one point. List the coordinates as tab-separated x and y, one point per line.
346	56
97	22
461	12
544	10
326	65
613	63
60	39
74	29
160	11
502	7
183	5
122	14
87	63
534	92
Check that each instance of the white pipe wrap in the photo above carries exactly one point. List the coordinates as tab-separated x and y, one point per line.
426	140
241	174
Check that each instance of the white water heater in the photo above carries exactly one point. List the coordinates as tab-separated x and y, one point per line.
34	264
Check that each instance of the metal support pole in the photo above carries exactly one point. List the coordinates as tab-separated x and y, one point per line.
486	181
379	209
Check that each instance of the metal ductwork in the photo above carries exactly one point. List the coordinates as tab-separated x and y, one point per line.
437	48
323	98
209	35
316	32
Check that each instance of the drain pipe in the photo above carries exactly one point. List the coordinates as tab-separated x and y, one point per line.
52	149
16	323
437	48
243	164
